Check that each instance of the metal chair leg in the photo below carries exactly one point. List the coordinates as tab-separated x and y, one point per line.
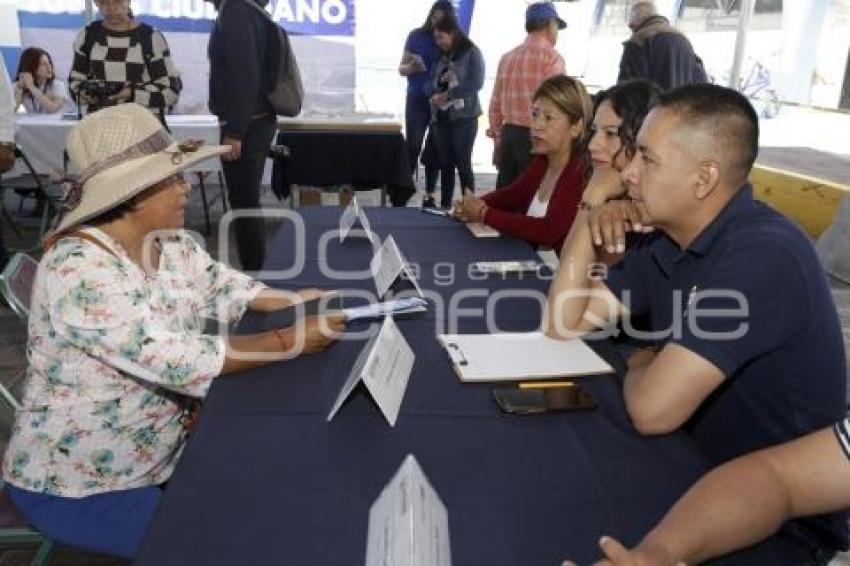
205	204
44	554
223	188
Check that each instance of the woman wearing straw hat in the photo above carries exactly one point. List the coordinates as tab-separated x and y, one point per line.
116	346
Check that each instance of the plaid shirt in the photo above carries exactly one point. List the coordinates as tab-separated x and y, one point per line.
521	71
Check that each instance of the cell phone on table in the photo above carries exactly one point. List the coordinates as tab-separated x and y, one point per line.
517	401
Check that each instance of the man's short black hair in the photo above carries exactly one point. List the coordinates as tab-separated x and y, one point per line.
726	113
537	25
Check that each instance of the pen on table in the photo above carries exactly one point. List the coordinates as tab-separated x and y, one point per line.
545	384
435	211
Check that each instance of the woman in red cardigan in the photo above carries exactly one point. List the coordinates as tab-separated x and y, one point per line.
540	206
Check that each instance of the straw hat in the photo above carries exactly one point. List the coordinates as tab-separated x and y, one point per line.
121	151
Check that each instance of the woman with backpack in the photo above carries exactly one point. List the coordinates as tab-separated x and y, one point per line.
118	59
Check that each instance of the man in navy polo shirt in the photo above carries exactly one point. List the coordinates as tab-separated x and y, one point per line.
750	351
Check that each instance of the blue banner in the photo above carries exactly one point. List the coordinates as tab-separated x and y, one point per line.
298	17
464	10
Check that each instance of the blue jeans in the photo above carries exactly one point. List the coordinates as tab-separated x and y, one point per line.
455	139
417	116
111	523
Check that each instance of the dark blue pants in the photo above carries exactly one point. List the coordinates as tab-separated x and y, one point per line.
417	116
455	139
243	178
111	523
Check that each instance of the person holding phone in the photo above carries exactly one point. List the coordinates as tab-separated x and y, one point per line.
455	108
417	61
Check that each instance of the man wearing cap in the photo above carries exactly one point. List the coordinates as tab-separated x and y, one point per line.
521	71
7	138
659	52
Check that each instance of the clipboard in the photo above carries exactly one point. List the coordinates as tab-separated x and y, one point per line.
526	356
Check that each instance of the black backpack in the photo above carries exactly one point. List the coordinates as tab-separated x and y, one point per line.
284	89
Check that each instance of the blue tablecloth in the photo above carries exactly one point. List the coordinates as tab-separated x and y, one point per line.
266	480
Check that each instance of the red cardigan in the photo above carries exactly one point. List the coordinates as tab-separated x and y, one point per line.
507	207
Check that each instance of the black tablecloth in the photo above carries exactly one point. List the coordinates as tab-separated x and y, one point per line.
265	479
364	160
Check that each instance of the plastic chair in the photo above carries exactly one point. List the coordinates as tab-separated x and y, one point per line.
31	185
16	283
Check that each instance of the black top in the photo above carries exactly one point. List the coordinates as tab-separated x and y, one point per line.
749	296
238	73
662	54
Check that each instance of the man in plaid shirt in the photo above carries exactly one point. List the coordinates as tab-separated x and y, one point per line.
521	71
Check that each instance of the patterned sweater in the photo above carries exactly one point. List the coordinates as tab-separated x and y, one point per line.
139	58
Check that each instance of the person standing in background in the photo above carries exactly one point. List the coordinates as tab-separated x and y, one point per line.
455	108
658	52
418	59
118	59
238	79
521	71
36	86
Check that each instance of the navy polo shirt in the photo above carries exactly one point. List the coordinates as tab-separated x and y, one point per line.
773	329
422	44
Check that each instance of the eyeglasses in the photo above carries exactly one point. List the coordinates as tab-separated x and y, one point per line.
546	118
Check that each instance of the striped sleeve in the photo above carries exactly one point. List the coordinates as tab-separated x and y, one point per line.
842	433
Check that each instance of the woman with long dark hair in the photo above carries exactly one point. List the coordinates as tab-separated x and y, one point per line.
618	114
36	87
455	108
417	61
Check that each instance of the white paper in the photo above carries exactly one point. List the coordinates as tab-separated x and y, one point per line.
353	377
384	367
386	266
520	356
501	267
380	310
387	370
348	218
364	222
550	258
482	230
408	523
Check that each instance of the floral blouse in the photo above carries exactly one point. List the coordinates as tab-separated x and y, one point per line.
114	353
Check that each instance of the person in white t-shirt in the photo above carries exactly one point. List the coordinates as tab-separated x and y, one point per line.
36	89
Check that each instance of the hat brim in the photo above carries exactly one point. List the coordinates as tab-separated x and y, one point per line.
116	185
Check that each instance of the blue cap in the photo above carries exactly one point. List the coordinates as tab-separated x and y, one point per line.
543	11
